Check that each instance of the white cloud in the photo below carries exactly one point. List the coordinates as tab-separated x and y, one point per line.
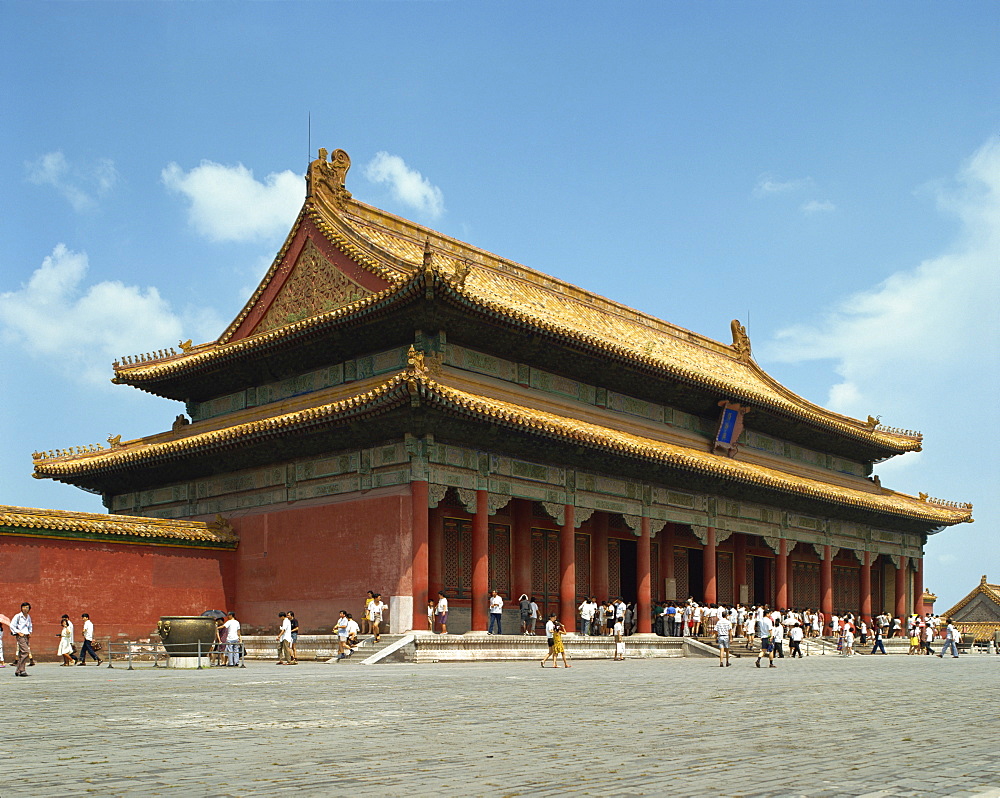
408	185
229	204
82	329
80	185
816	206
769	185
925	328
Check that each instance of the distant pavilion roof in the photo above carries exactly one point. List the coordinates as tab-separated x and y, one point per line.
36	522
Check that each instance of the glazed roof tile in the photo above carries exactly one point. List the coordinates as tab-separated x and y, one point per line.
99	525
416	380
396	249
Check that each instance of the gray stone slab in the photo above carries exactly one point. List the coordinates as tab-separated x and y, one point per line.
881	727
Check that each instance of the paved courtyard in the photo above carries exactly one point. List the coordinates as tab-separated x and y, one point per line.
823	726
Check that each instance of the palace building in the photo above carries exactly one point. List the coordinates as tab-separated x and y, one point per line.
400	411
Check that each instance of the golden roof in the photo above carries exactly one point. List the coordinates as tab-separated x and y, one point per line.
984	588
129	529
406	254
380	395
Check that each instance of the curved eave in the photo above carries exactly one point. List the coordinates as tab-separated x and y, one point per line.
68	525
582	433
136	455
885	444
154	377
398	391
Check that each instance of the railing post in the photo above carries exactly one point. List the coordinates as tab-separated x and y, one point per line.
108	652
199	655
129	644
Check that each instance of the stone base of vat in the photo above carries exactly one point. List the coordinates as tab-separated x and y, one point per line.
186	662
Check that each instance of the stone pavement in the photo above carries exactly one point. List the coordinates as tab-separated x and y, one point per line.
822	726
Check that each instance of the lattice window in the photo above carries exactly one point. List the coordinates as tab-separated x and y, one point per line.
805	578
614	569
545	568
681	573
654	571
582	567
456	557
751	593
724	577
846	589
500	559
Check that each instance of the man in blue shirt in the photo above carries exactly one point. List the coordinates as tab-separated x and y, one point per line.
20	627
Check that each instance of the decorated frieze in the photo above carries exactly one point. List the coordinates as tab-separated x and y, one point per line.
359	368
482	363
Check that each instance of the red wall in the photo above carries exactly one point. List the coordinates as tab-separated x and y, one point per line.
125	588
320	559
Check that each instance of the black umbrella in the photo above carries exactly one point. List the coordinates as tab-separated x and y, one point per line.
214	614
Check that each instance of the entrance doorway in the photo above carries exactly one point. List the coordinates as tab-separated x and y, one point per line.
696	574
761	580
628	557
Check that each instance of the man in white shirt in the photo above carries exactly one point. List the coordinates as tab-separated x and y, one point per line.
587	610
442	612
234	640
777	640
534	614
375	610
352	634
20	627
496	614
619	632
723	631
950	640
285	640
764	629
795	635
87	647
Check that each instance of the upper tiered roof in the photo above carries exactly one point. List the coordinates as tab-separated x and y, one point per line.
346	262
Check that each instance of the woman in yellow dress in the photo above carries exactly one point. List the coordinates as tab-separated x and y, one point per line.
366	618
554	632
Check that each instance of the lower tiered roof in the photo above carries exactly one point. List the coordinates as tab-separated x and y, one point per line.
437	390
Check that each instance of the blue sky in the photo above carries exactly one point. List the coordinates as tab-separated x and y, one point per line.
829	173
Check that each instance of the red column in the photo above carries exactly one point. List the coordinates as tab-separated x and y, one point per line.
435	542
708	567
522	548
918	585
644	606
782	575
826	584
480	562
667	555
599	557
567	563
866	587
418	569
901	590
739	565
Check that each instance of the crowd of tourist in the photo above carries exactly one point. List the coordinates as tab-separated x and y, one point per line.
773	627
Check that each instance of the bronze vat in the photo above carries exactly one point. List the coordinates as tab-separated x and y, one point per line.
181	634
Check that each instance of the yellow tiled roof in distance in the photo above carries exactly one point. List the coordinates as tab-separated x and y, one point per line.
158	531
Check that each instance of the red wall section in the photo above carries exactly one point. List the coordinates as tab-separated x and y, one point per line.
321	559
125	588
